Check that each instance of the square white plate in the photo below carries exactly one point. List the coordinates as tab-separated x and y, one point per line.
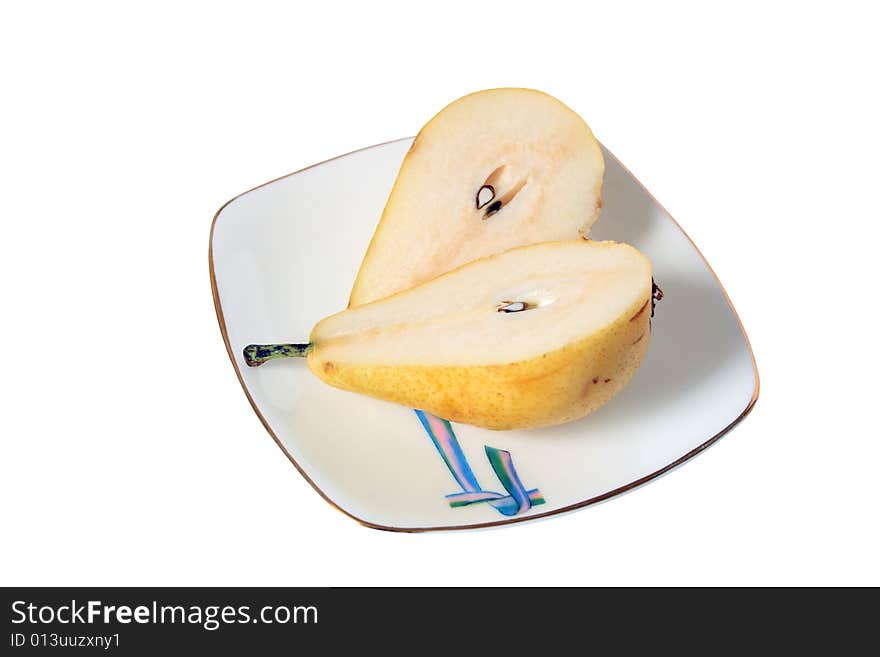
285	254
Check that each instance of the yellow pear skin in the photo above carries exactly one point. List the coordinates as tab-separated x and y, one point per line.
535	336
550	389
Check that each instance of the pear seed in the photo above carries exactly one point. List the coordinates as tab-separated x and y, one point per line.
485	194
513	306
493	190
492	209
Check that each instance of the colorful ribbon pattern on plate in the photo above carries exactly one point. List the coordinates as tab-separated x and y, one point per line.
518	498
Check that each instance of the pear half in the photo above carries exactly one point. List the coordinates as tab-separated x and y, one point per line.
536	336
494	170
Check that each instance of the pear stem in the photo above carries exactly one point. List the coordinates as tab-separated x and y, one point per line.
257	354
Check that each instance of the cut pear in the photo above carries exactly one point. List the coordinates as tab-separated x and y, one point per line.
536	336
492	171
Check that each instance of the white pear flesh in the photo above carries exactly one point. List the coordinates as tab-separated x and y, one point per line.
536	336
492	171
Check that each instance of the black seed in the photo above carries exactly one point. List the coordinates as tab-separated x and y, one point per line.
492	209
479	191
513	306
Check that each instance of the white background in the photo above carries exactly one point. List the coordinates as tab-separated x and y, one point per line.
130	454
